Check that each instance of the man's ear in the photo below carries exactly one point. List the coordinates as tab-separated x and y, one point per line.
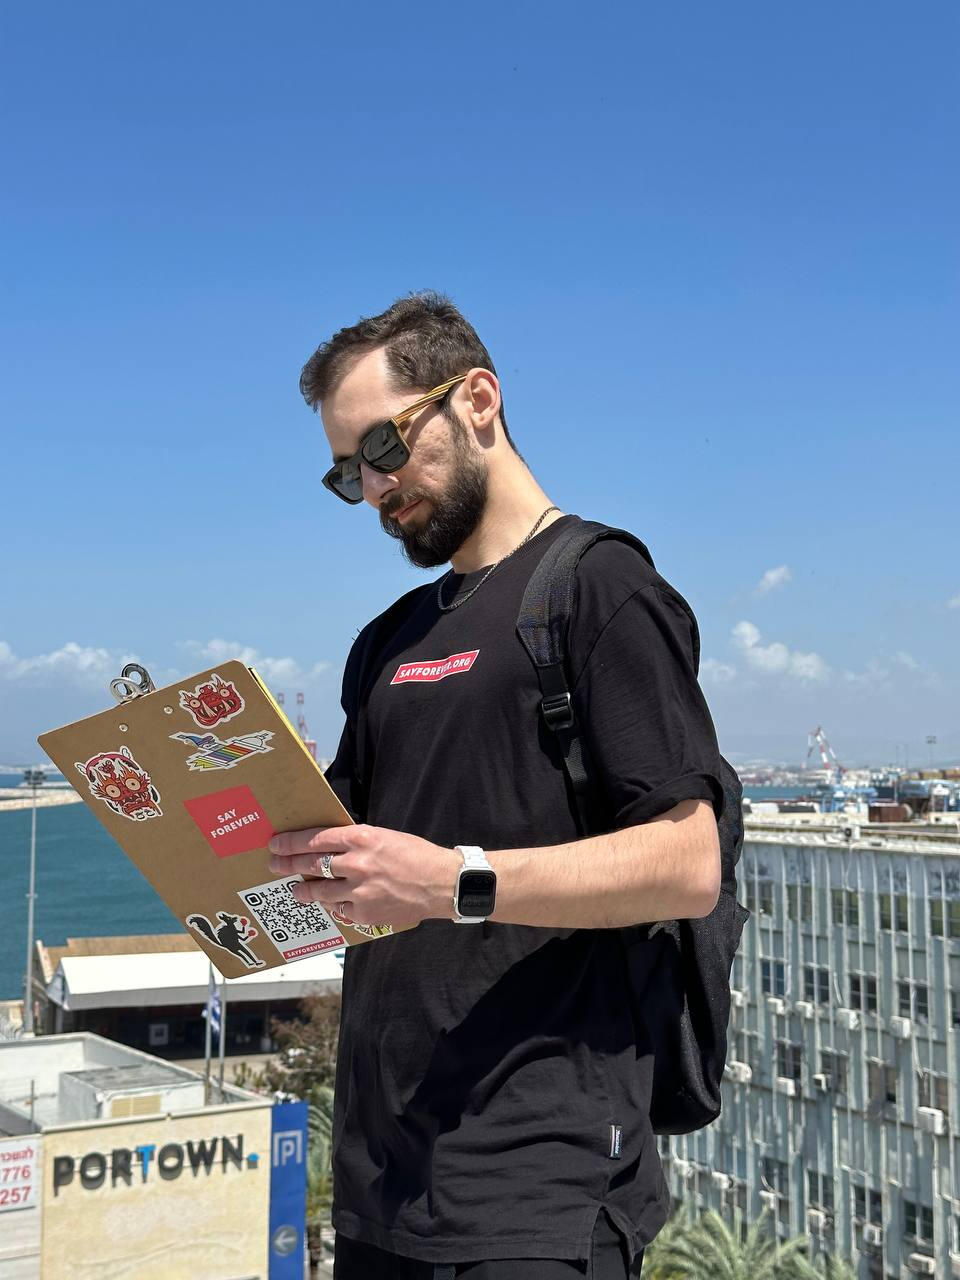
482	392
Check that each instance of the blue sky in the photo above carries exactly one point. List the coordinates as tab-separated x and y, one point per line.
712	248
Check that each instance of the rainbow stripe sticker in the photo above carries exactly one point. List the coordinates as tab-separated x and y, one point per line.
216	753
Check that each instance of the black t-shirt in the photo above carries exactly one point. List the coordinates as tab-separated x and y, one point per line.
483	1068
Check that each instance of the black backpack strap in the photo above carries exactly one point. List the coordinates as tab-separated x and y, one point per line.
543	625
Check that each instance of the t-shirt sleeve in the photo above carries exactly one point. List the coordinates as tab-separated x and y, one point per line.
645	722
341	774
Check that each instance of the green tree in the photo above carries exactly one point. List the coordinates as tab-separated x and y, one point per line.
319	1170
708	1249
828	1266
307	1051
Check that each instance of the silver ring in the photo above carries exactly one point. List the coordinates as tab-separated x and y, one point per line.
326	868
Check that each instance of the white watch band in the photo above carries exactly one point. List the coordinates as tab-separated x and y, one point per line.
474	859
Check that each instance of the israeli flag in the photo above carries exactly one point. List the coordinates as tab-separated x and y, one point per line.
212	1011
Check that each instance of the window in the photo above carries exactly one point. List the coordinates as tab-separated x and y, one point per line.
789	1059
816	984
799	902
953	918
921	1001
846	906
882	1084
819	1190
834	1065
919	1006
863	992
745	1046
775	1176
954	1011
934	1091
860	1202
759	895
773	977
918	1221
894	912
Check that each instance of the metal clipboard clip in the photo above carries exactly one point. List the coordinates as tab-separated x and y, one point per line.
125	689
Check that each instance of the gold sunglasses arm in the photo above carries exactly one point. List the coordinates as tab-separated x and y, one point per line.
429	398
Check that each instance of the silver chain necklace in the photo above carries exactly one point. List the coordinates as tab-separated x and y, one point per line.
445	608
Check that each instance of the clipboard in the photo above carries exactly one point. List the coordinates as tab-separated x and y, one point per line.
192	780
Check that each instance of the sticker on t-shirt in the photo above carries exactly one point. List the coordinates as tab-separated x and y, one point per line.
296	929
430	670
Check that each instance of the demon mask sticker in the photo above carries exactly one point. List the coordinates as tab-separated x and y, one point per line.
115	778
214	702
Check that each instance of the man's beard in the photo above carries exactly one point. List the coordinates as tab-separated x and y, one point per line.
455	514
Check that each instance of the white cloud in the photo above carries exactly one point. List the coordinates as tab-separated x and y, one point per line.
954	602
716	672
277	672
81	663
776	658
773	578
906	660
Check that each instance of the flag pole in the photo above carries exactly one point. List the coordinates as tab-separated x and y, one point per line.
223	1030
209	1011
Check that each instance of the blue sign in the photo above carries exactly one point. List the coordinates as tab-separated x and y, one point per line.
288	1190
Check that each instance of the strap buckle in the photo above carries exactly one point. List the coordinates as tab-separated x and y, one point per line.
558	711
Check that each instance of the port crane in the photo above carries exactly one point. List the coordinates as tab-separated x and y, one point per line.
302	730
828	756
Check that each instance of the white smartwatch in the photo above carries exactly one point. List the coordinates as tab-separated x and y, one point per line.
475	892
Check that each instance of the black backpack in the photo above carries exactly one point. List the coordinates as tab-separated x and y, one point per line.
679	970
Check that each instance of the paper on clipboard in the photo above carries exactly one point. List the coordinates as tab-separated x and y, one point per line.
192	780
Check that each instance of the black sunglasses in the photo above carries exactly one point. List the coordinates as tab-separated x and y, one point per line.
383	447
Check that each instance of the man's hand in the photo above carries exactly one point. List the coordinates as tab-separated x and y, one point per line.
382	876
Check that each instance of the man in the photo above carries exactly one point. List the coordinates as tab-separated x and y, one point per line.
492	1118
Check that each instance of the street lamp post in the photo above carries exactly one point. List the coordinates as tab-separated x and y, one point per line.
34	779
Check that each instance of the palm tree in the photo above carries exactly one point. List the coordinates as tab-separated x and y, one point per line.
828	1266
319	1171
707	1249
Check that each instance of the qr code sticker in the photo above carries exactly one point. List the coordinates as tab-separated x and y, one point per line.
295	929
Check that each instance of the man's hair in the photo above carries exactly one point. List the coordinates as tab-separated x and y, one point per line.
425	340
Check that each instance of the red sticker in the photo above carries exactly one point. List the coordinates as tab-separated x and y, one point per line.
231	821
428	672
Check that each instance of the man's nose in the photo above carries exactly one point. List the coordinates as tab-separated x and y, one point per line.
376	485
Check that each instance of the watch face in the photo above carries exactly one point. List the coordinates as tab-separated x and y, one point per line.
476	893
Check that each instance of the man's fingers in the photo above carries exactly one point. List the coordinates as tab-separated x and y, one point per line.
305	864
286	844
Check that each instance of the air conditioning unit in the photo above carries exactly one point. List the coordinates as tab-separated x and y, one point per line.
849	1018
921	1264
776	1004
787	1085
769	1200
902	1028
740	1072
822	1082
805	1009
721	1180
931	1119
738	999
872	1235
816	1221
851	831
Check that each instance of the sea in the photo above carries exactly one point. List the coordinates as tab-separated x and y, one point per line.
85	884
